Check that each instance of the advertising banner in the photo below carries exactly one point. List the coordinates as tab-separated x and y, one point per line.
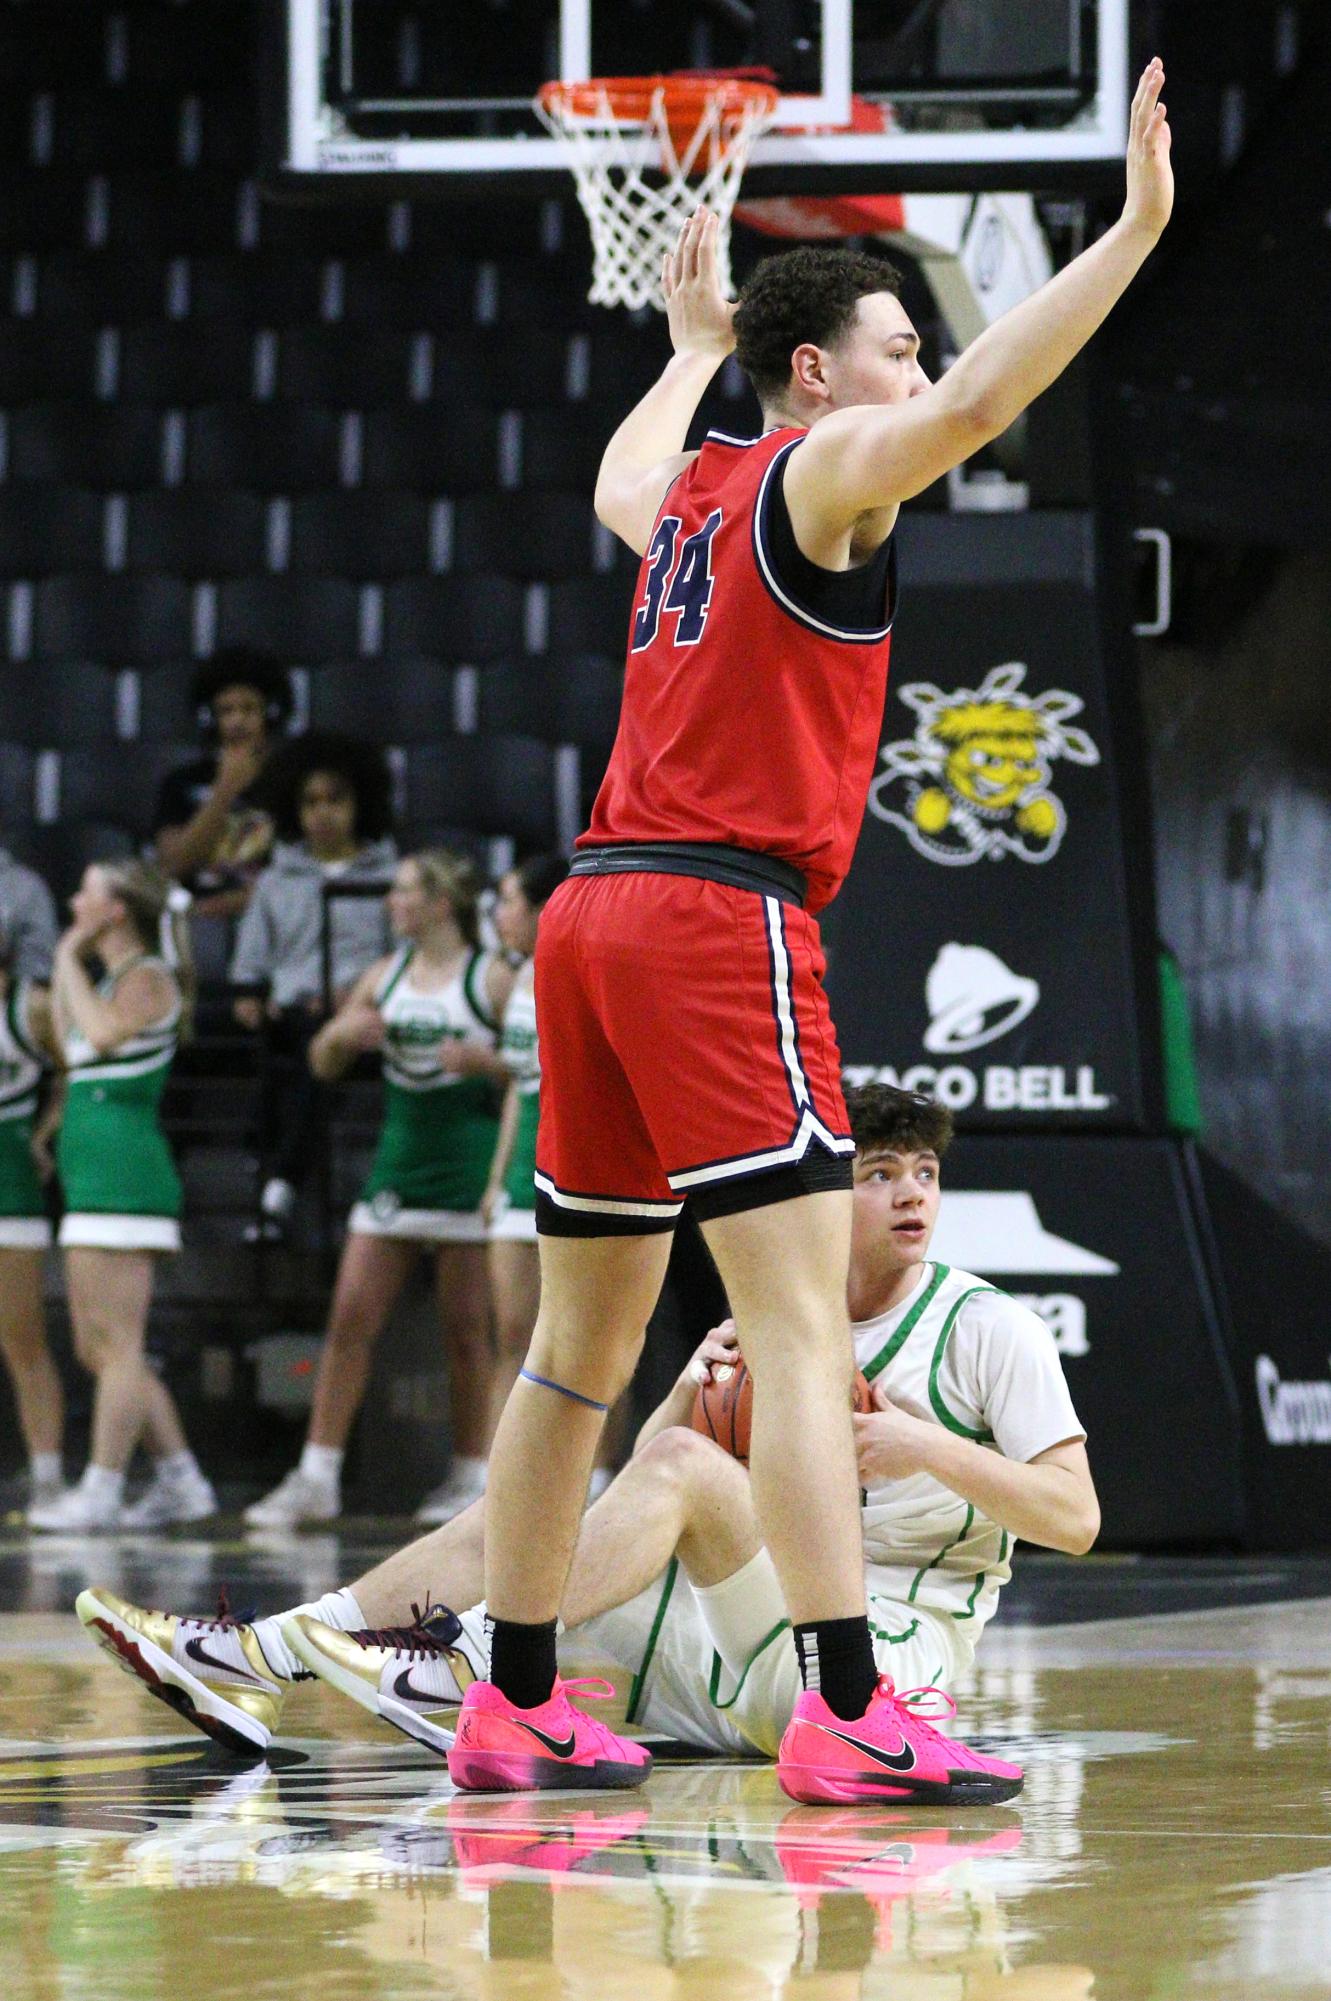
1100	1237
1277	1281
991	943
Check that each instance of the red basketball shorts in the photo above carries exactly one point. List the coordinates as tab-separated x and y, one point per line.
686	1051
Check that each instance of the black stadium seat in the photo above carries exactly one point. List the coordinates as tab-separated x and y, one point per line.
88	129
360	534
49	528
297	618
430	449
412	705
497	785
559	698
173	211
196	532
351	365
118	781
97	288
17	769
121	620
560	448
454	618
44	211
107	446
268	448
166	712
406	291
328	229
508	371
40	361
188	42
186	364
589	615
524	534
256	288
58	702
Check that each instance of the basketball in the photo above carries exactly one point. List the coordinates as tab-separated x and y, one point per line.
723	1408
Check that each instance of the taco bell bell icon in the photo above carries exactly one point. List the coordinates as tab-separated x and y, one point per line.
973	998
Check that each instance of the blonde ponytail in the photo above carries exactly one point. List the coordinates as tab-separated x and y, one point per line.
159	911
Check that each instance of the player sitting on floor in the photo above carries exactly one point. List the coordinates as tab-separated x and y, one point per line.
972	1443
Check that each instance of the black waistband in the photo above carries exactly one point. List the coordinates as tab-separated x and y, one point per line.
767	875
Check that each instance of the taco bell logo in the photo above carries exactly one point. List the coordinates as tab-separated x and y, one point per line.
973	998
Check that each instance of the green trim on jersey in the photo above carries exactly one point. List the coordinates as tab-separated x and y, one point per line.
397	966
477	1001
640	1678
934	1562
893	1639
718	1668
982	1580
941	1411
898	1341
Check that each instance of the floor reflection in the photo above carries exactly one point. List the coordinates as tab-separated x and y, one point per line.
1173	1839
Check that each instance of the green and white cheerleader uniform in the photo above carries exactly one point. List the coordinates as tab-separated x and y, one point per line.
23	1222
515	1213
438	1136
122	1192
716	1666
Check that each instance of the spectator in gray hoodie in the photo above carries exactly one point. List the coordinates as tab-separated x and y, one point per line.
27	921
330	796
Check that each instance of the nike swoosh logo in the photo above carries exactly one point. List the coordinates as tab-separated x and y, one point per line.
197	1652
896	1761
553	1744
406	1688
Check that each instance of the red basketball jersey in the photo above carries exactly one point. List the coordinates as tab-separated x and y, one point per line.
749	717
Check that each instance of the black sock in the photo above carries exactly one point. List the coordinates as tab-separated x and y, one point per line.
522	1661
836	1658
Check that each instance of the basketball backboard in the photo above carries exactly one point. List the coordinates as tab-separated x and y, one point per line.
962	93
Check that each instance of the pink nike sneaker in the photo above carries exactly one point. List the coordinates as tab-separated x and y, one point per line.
891	1752
500	1748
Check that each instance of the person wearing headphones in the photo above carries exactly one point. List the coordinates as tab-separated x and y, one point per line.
214	833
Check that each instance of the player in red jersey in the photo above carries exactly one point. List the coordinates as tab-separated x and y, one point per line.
686	1045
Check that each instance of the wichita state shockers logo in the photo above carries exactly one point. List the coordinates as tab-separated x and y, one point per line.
975	779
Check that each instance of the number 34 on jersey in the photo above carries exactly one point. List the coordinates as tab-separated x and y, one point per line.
679	583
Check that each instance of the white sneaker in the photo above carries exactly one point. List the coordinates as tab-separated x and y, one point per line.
448	1500
41	1493
414	1676
76	1509
187	1497
299	1498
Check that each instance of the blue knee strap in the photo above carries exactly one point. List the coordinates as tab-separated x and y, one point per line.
527	1376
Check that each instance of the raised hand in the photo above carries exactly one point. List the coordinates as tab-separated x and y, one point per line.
700	316
1150	195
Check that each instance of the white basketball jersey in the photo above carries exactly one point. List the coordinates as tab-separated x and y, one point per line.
960	1353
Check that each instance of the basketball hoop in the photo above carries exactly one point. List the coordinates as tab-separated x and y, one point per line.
645	151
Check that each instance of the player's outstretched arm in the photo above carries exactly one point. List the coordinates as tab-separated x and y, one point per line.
647	451
856	461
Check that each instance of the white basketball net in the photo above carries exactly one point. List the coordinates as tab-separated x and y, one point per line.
635	219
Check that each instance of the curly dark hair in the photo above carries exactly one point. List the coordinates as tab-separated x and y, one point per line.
362	767
241	667
887	1120
806	294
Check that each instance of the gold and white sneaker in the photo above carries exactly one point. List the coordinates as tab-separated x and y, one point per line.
414	1676
213	1672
